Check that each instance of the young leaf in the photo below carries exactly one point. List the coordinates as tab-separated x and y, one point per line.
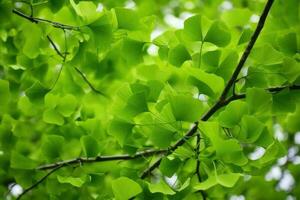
233	113
125	188
89	145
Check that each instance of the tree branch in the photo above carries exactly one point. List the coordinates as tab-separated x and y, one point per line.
38	20
221	101
38	182
248	49
81	160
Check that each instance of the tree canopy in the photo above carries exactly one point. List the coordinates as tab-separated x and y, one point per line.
149	99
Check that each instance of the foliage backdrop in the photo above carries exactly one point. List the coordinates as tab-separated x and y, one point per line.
149	99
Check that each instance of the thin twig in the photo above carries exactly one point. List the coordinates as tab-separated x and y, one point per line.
56	49
88	82
52	23
38	182
146	153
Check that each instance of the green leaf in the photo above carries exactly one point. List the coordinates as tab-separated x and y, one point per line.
211	58
237	17
136	104
283	102
51	116
292	122
121	130
228	150
273	152
228	180
32	45
51	100
178	55
133	51
18	161
192	28
56	5
208	183
246	36
127	19
67	105
186	108
218	34
160	187
125	188
87	10
266	54
52	146
288	43
75	181
89	145
258	100
251	129
36	92
290	69
209	84
4	96
233	113
169	167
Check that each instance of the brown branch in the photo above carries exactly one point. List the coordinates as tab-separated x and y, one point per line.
146	153
38	182
38	20
221	101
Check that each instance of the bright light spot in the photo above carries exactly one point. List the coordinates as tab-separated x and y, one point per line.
171	181
226	5
296	160
130	4
1	153
99	7
152	50
57	67
247	177
281	161
156	32
290	197
237	197
22	94
201	97
287	182
185	15
15	189
274	174
297	138
18	4
257	154
173	21
292	152
254	18
189	5
278	133
244	71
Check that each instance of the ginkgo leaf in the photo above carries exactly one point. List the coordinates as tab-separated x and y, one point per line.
125	188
